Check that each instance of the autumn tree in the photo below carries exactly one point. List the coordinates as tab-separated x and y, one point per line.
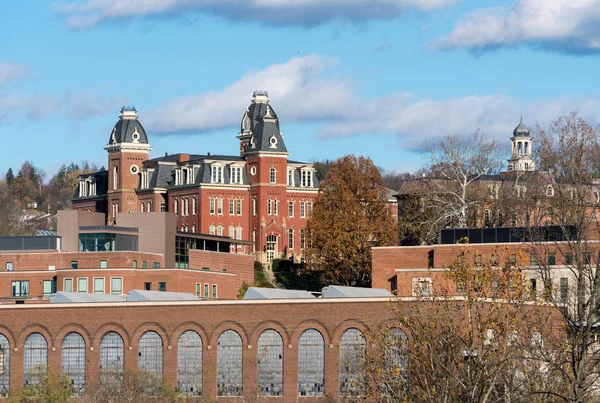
350	216
451	188
62	186
566	260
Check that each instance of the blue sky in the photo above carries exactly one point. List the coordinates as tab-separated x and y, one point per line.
370	77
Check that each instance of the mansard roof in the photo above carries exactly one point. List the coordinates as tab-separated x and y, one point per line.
261	122
128	129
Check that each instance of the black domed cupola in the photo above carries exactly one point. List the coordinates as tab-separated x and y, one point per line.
128	129
260	126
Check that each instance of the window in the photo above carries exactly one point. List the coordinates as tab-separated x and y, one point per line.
20	288
144	264
115	177
103	264
236	175
211	202
176	207
551	259
231	231
156	265
311	363
216	174
35	358
512	260
220	206
211	230
290	181
564	290
422	286
163	207
198	289
162	286
68	285
587	258
148	286
568	258
291	238
290	209
73	361
276	207
533	260
142	207
194	205
273	175
206	290
494	260
49	287
239	232
254	206
302	209
395	361
302	239
135	264
82	284
306	177
189	362
238	206
99	285
9	266
229	364
231	206
116	285
549	191
532	288
149	206
309	207
4	365
487	217
74	264
253	240
150	356
270	363
112	351
352	357
214	291
220	230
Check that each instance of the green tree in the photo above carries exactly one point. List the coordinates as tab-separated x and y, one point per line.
9	177
350	216
45	388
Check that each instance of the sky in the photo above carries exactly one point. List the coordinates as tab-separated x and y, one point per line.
366	77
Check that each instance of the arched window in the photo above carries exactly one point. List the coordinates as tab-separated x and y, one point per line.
229	364
273	175
395	366
231	231
150	354
487	217
115	177
291	238
352	354
73	361
112	351
211	230
35	358
311	363
269	211
189	367
5	362
549	191
238	231
220	230
270	364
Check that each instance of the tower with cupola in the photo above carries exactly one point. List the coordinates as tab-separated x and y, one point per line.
520	160
127	149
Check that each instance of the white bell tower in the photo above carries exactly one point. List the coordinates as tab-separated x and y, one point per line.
520	159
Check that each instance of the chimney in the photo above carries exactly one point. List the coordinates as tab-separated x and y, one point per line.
183	157
208	153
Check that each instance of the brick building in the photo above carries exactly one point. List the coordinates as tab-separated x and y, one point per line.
259	195
145	252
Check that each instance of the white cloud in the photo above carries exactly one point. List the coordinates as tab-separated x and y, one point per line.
86	14
301	92
10	71
561	25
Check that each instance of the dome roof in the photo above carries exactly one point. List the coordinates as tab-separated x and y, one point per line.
258	109
261	124
521	130
128	129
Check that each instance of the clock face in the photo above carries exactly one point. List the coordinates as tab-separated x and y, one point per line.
253	171
246	123
134	169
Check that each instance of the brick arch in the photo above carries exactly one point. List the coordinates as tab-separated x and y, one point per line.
111	327
350	324
73	327
35	328
9	335
150	326
229	325
310	324
269	324
189	326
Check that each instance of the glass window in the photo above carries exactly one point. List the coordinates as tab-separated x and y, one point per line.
214	291
9	266
551	259
212	205
135	264
254	206
156	265
229	364
74	264
68	285
206	290
220	230
220	206
290	177
148	286
302	209
20	288
231	206
73	361
103	264
198	289
144	264
82	284
290	209
112	351
5	366
189	363
116	285
311	363
273	175
291	238
352	354
35	358
150	356
564	290
270	364
239	232
238	207
49	287
395	362
99	285
162	286
231	231
163	207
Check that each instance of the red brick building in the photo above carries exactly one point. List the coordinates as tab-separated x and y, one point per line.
259	195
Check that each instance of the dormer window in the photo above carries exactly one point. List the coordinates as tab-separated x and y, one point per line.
306	177
235	174
549	191
290	179
184	176
216	174
273	142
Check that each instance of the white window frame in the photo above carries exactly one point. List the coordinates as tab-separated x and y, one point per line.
214	291
211	205
302	209
238	232
198	289
220	206
65	284
290	177
272	175
231	206
276	207
269	211
79	281
291	208
104	264
254	206
216	173
290	239
231	232
238	207
194	205
211	229
176	206
111	285
219	230
103	284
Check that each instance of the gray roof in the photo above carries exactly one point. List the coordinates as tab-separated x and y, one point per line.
68	297
275	293
260	120
128	129
521	130
338	291
144	295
